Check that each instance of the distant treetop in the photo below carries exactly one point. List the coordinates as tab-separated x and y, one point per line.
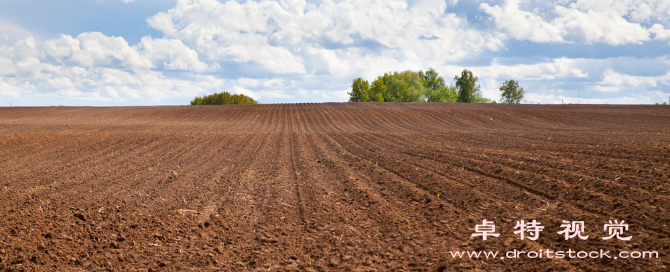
223	98
411	86
511	92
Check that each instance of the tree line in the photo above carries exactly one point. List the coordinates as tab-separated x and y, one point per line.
405	86
223	98
419	86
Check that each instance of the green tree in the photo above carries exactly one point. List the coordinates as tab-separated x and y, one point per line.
468	89
378	89
223	98
437	89
360	90
511	92
432	80
443	94
406	86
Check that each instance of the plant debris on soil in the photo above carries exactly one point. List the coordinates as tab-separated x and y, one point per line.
334	186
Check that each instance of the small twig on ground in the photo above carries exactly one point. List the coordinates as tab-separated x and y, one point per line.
185	211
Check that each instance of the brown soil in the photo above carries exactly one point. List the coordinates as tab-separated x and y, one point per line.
341	186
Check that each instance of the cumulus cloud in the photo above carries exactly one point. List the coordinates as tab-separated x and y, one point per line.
7	67
564	80
311	50
660	33
558	68
296	37
313	47
598	26
612	78
171	54
584	21
522	25
97	67
94	49
11	32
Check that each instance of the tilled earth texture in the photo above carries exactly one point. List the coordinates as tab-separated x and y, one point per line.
340	186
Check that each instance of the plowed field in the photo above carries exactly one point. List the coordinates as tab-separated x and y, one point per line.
342	186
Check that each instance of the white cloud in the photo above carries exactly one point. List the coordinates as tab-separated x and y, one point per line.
522	25
585	21
549	82
111	92
96	67
612	78
312	47
598	26
311	50
493	75
342	95
660	33
171	54
558	68
240	90
7	67
255	83
94	49
10	32
637	10
621	96
294	37
324	61
274	94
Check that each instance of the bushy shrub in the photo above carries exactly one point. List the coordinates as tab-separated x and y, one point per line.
223	98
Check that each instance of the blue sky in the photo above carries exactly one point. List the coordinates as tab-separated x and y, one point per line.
158	52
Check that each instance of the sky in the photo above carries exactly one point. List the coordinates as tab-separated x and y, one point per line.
166	52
